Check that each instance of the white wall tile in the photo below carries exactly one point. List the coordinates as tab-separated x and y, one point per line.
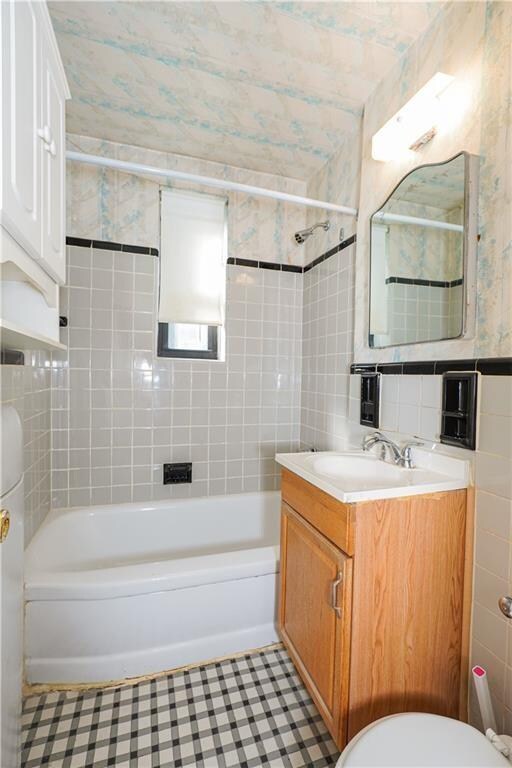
493	554
140	411
430	424
495	434
431	391
496	395
28	389
408	418
494	474
494	514
409	390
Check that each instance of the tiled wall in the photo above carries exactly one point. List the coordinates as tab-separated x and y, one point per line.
27	388
119	411
421	312
328	314
479	121
327	351
492	632
411	407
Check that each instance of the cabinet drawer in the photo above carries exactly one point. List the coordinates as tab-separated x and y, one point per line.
332	518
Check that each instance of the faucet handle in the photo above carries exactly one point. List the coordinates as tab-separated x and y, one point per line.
371	439
405	453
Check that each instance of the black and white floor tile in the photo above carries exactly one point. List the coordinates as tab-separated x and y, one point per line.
244	712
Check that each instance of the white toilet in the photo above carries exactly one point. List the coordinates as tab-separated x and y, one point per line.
413	739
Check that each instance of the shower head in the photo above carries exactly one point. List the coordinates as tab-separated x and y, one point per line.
303	234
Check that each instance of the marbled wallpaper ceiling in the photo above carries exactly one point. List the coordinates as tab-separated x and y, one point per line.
268	86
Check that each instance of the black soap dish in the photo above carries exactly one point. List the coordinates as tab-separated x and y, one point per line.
459	414
370	400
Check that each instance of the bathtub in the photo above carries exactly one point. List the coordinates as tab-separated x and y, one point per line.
132	589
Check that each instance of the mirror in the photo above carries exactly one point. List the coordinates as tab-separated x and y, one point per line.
417	257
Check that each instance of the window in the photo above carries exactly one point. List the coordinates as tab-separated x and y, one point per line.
188	340
193	250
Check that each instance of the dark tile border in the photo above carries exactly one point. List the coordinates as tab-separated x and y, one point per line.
106	245
124	248
337	248
495	366
420	281
490	366
264	265
291	267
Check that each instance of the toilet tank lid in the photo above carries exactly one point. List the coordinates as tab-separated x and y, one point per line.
413	739
11	449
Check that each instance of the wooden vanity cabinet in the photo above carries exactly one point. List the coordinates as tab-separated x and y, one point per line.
374	607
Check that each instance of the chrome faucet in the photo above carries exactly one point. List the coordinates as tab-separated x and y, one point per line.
401	455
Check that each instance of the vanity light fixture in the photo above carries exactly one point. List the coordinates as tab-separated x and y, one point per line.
415	124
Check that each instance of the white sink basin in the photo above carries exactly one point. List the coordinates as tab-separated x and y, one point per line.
358	476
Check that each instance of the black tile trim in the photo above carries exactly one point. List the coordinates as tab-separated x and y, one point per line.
126	248
390	368
337	248
106	245
291	267
363	368
236	262
12	357
419	368
421	281
444	366
495	366
491	366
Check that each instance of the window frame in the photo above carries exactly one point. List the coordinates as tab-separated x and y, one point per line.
163	349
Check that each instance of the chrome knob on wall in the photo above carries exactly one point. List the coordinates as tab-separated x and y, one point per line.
505	604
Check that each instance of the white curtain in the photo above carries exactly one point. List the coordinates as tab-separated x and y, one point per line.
193	251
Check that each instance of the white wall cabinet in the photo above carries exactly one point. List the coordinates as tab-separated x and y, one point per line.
53	245
21	121
32	191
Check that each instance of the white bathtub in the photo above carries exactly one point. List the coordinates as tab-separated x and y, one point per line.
127	590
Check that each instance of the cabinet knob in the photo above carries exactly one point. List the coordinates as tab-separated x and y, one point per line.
5	524
51	148
45	134
505	604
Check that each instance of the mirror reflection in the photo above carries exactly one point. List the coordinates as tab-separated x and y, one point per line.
417	258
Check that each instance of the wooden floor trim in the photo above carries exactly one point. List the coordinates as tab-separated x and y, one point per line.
35	689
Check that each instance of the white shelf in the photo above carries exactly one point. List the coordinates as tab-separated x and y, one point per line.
13	336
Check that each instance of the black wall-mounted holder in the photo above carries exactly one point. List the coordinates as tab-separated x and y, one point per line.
370	400
459	414
178	473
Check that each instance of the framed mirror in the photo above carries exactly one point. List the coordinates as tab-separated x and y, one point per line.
419	273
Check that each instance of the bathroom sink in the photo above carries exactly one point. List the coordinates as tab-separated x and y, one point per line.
357	467
358	476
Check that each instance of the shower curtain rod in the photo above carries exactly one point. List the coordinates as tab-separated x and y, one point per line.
402	218
208	181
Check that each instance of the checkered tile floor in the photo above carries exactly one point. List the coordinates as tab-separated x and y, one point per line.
245	712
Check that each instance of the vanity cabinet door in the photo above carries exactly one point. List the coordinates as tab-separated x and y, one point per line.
315	615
